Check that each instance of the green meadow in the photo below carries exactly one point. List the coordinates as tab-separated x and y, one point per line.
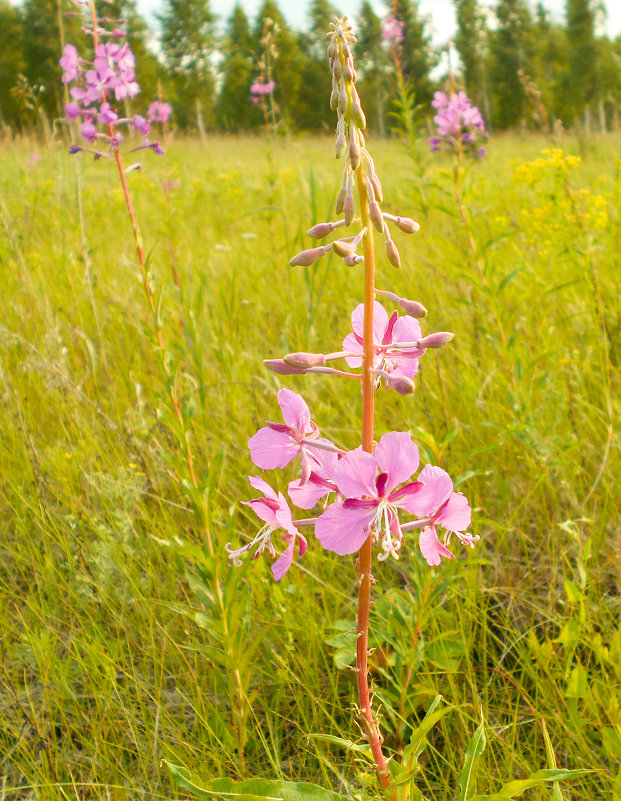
125	641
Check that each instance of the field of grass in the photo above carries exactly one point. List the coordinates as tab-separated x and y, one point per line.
123	643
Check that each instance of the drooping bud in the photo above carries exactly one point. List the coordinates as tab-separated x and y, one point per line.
375	213
353	259
406	224
377	187
320	230
343	248
435	340
354	155
411	307
349	209
334	99
304	360
392	254
348	72
337	69
358	113
343	99
340	146
307	257
279	366
402	384
340	200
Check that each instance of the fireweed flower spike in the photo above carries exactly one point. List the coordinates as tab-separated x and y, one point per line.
460	125
371	500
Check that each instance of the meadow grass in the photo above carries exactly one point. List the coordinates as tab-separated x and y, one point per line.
112	656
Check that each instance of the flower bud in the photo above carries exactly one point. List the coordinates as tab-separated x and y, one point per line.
402	384
340	200
413	308
392	254
334	99
341	145
343	99
337	69
377	187
307	257
435	340
320	230
279	366
353	259
354	155
407	225
332	50
304	360
343	248
349	209
348	72
376	216
358	114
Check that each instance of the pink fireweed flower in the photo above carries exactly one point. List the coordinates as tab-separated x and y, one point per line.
460	124
159	112
277	444
70	63
445	508
273	509
259	88
371	499
388	332
392	31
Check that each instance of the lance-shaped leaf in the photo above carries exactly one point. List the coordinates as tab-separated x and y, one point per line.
251	789
516	788
467	779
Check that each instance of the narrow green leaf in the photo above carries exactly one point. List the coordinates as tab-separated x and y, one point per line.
347	745
251	789
467	779
417	741
517	787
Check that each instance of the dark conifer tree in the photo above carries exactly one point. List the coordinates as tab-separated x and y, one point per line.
372	73
234	110
510	52
12	61
187	41
417	56
582	51
470	43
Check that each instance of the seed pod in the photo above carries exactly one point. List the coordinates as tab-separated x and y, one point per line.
349	209
307	257
392	254
376	216
304	360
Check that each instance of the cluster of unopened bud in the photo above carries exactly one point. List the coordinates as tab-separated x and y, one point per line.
350	144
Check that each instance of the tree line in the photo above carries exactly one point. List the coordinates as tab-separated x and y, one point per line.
520	66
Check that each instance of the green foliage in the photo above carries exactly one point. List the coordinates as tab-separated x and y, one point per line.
114	646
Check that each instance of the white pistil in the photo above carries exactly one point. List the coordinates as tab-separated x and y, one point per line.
263	539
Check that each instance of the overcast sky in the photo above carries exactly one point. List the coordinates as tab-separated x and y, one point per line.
440	12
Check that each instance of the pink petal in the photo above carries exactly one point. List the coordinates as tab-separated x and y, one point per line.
305	496
397	455
294	410
270	449
342	530
260	484
380	321
263	512
283	563
406	366
354	474
350	343
431	547
407	329
455	515
436	490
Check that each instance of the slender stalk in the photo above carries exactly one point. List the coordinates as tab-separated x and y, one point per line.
364	557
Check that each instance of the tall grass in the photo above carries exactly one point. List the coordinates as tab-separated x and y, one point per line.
111	656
